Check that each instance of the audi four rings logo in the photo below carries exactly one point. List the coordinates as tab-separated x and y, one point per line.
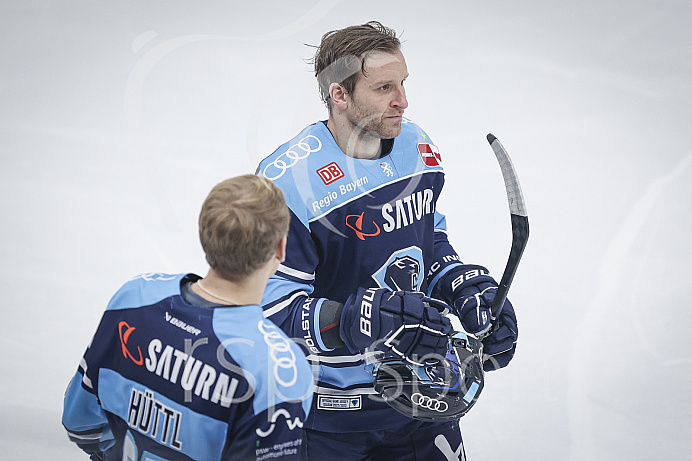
281	353
424	401
300	150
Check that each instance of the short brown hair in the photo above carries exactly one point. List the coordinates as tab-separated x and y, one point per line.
340	57
241	223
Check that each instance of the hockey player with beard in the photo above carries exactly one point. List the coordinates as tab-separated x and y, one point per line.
365	240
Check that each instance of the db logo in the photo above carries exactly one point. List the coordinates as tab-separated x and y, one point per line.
429	154
330	173
125	331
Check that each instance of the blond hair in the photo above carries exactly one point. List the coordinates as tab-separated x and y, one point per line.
241	223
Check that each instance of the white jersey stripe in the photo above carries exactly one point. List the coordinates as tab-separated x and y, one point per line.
357	391
84	437
283	304
356	358
296	273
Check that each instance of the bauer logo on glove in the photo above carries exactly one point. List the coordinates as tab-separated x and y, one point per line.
403	323
366	312
471	290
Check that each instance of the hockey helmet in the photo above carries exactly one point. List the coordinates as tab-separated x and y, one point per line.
441	389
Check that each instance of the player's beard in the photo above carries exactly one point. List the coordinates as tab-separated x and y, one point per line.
371	122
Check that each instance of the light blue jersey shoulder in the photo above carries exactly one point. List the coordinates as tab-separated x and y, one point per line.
316	176
273	364
146	289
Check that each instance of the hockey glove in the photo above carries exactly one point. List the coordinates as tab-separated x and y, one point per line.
500	344
401	323
471	290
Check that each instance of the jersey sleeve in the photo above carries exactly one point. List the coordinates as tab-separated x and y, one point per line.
268	424
83	417
286	300
445	257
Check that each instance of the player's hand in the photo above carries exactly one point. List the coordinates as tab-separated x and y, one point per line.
472	290
500	344
401	323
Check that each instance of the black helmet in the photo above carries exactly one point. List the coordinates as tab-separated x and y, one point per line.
442	389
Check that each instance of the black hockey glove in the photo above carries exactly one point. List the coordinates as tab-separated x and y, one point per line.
499	346
401	323
471	290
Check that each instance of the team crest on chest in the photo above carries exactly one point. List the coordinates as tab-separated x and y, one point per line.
402	271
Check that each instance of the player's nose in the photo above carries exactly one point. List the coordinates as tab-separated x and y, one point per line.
400	100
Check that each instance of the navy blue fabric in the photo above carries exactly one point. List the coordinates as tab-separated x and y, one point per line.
163	379
412	441
356	223
371	315
471	290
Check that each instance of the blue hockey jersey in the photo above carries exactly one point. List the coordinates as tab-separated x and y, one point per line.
355	223
166	380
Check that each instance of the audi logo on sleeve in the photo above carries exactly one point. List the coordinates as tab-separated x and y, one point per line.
283	358
287	159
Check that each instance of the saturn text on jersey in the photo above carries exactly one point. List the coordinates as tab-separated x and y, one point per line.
407	210
177	366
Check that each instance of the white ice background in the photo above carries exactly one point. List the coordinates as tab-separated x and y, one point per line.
118	117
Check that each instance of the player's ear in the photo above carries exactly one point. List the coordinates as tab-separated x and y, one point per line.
338	95
281	249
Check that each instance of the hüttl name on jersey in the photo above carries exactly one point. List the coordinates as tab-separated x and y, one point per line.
153	418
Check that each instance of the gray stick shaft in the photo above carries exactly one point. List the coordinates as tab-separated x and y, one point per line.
520	223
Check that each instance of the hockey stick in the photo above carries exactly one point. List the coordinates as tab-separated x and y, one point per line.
520	224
